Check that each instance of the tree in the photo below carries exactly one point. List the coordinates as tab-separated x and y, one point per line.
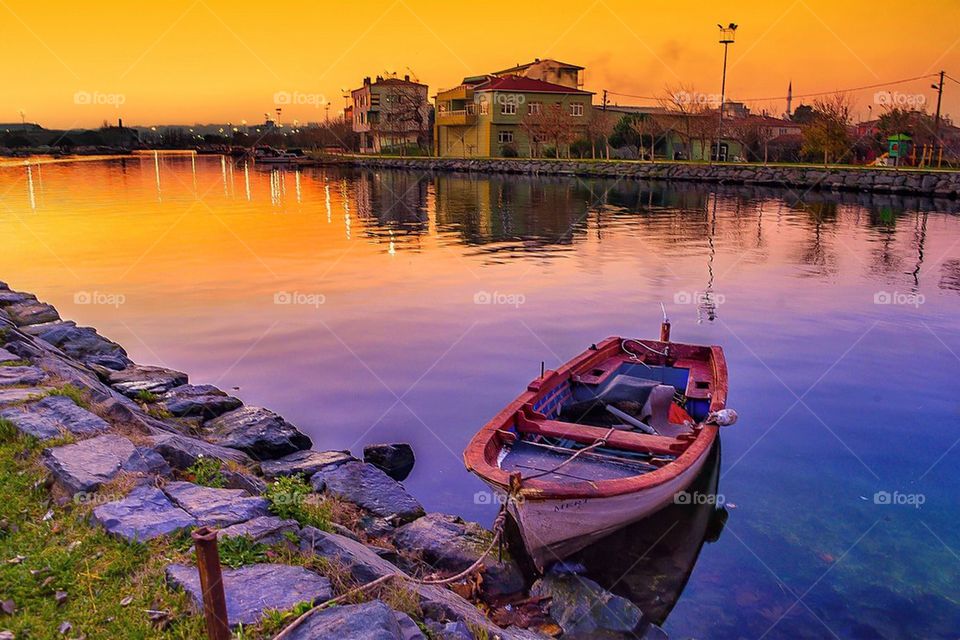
828	135
645	126
600	128
803	114
404	110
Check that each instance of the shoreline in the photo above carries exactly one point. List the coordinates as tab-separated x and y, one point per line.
939	183
139	453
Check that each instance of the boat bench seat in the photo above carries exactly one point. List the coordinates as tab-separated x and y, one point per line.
586	434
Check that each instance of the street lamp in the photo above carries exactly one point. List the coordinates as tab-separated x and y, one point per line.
727	36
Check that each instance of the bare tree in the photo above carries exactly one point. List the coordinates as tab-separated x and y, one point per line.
403	112
600	127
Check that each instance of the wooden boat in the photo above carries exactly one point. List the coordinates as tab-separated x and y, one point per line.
607	439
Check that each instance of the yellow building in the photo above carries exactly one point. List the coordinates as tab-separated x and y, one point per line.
511	115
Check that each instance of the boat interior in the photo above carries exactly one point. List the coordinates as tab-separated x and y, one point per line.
646	413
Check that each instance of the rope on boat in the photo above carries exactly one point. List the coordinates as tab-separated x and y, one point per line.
635	356
498	525
599	443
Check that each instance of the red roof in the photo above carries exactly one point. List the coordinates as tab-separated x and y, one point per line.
521	84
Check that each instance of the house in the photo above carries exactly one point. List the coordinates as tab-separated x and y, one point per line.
391	114
510	115
549	70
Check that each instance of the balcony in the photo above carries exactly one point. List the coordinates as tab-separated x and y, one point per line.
457	117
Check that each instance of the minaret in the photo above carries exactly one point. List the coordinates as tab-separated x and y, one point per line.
790	99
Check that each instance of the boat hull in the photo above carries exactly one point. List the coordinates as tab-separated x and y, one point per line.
553	529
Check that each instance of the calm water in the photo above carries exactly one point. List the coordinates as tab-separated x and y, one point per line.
346	301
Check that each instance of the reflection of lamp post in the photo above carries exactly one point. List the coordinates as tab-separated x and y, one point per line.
727	36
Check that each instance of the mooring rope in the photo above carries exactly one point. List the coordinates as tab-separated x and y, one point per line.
498	525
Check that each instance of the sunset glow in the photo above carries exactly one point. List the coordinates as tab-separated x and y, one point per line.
188	61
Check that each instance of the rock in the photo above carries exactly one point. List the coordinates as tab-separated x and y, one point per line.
370	488
451	631
442	605
31	311
305	463
265	529
396	460
259	432
41	328
17	396
451	545
361	561
144	514
202	400
85	345
52	417
584	609
6	356
255	588
372	620
182	451
251	484
21	376
87	464
215	507
8	297
136	378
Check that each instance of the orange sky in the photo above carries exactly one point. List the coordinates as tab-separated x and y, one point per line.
186	61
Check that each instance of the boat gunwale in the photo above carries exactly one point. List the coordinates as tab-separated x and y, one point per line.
478	461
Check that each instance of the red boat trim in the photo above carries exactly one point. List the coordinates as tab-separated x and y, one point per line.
708	378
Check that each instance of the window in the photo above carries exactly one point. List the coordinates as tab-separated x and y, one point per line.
508	108
535	108
484	107
576	109
504	137
375	99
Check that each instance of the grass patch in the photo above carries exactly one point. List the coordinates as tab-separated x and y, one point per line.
238	551
109	583
291	497
16	363
79	396
147	397
207	472
159	413
8	430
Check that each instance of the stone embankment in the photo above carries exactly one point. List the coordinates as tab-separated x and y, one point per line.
134	441
944	184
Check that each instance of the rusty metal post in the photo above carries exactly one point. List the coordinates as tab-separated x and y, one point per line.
665	331
211	583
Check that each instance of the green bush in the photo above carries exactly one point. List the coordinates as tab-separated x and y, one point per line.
291	497
207	472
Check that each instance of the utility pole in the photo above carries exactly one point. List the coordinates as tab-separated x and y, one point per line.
939	89
604	100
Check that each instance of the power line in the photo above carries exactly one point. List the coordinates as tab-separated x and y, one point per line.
804	95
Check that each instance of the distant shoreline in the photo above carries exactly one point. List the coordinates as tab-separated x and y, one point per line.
887	180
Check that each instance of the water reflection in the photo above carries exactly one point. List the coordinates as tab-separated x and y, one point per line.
650	562
800	289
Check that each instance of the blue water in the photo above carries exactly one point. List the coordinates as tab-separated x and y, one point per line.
837	315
